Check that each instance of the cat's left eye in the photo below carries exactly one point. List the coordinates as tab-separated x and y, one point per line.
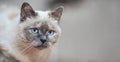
34	30
51	32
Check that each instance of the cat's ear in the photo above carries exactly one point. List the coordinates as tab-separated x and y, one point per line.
56	14
26	11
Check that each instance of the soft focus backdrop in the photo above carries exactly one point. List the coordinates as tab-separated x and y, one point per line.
90	29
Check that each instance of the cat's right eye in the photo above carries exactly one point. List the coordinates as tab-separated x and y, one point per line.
34	30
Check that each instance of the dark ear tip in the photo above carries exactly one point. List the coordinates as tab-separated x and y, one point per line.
25	4
60	8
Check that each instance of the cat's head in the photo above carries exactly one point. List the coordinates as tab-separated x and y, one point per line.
39	28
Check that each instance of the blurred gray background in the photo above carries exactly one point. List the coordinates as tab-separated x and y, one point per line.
90	29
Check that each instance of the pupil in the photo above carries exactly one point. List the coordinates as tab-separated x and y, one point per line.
35	30
50	32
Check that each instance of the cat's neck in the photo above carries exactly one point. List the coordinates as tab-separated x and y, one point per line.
28	53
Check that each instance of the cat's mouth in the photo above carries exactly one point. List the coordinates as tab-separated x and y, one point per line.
41	46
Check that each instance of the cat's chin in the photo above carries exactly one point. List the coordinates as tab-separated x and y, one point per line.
42	47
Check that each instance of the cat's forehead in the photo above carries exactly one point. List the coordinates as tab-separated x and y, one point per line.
43	14
39	24
42	19
43	23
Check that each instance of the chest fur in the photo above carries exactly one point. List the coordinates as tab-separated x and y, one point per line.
27	53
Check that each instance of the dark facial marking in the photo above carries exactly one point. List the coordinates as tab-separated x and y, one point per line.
41	38
44	28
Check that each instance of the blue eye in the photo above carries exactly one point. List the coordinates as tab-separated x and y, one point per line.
34	30
51	32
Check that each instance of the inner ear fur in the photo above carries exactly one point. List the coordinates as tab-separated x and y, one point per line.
57	13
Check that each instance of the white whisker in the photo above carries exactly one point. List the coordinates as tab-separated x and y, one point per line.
24	50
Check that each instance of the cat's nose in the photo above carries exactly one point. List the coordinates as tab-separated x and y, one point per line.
43	39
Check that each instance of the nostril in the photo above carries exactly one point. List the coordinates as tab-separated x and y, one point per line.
43	40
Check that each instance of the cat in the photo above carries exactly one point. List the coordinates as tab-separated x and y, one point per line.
33	35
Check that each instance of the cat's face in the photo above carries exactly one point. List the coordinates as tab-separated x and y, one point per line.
40	29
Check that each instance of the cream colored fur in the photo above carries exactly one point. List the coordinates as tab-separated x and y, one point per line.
9	22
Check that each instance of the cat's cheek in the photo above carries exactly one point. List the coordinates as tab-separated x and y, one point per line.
52	36
53	41
49	44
